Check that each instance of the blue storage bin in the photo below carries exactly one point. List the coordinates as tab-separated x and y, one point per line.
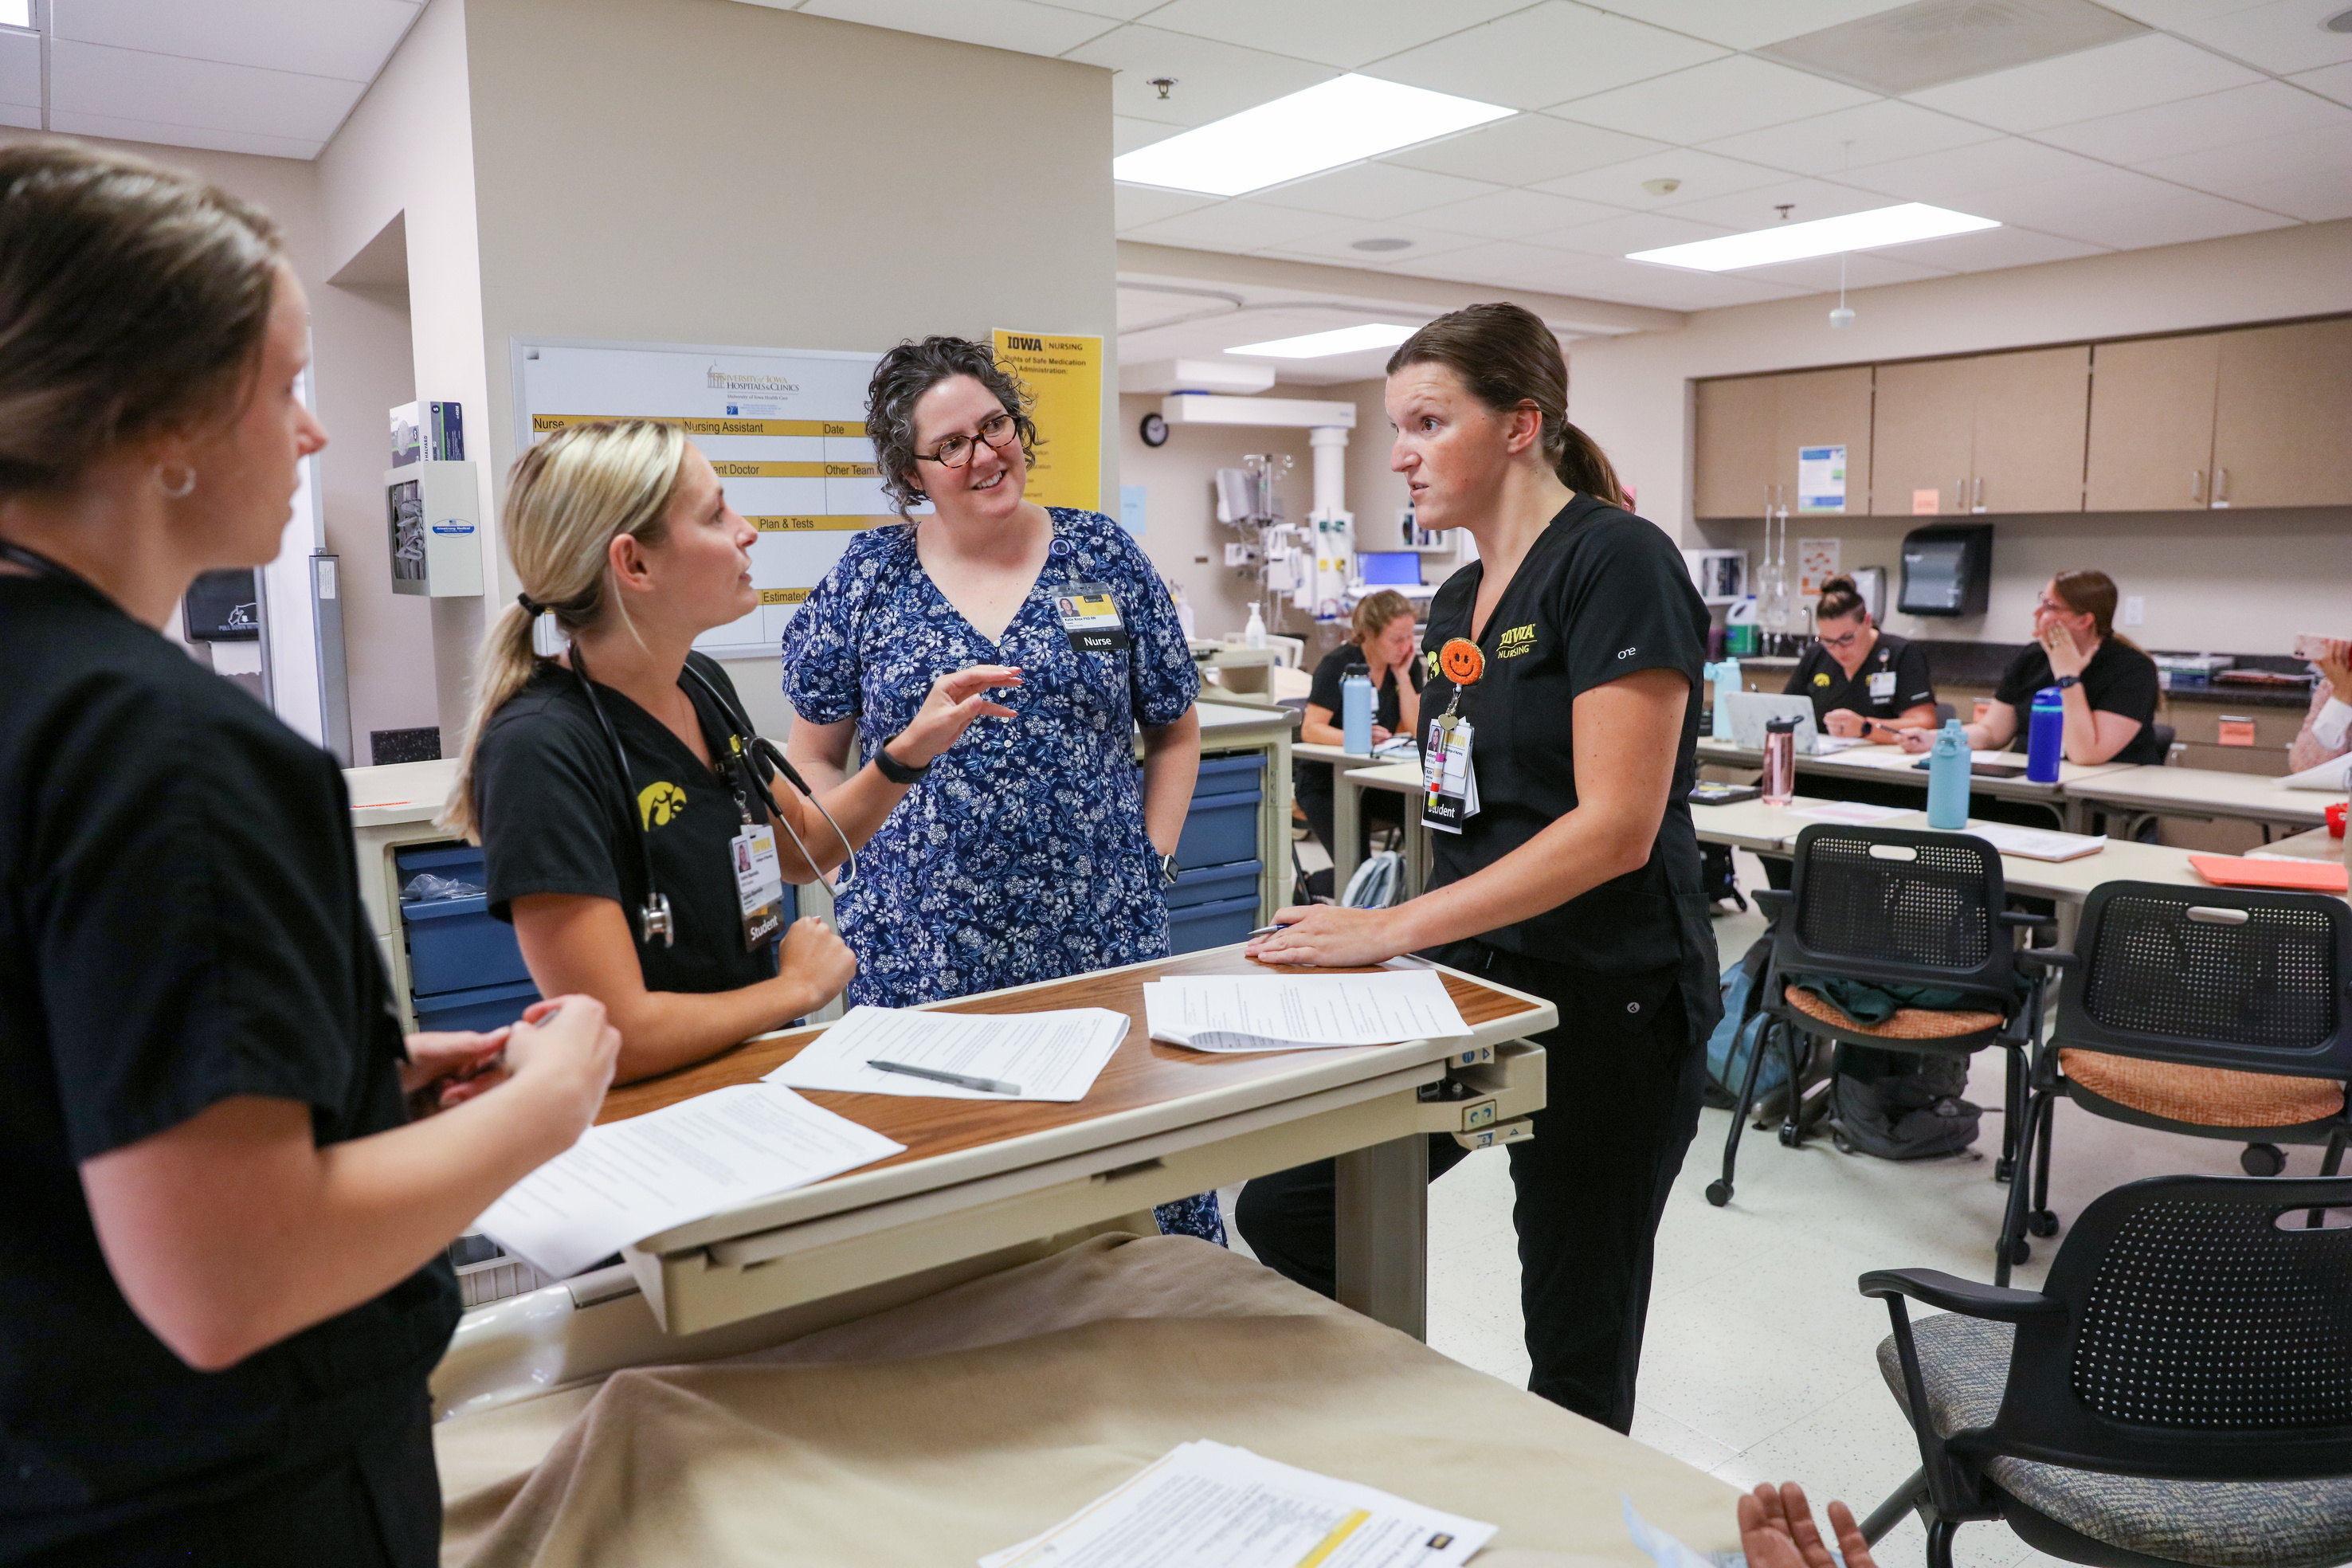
1213	884
455	944
1220	924
1229	776
484	1008
1219	830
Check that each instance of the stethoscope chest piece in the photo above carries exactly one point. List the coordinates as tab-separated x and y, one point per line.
654	921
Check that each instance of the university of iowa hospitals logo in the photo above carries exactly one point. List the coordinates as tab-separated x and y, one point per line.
657	803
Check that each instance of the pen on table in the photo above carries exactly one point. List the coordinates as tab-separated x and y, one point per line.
1269	930
962	1080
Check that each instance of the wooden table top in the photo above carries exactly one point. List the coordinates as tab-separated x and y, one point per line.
1142	1073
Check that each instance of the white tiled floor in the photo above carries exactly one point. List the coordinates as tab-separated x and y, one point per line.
1758	1363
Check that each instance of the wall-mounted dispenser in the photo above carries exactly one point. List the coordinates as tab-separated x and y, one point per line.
1946	570
433	514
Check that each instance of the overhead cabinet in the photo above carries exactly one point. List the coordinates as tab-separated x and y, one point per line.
1982	435
1751	428
2281	413
2152	425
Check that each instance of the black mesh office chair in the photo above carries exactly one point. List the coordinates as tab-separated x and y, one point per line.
1893	906
2214	1012
2178	1393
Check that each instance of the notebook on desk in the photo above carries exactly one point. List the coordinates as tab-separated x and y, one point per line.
2294	876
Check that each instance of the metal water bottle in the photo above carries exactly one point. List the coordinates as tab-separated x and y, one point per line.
1779	761
1948	779
1356	712
2045	738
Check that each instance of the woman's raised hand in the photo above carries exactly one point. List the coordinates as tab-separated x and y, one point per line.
956	699
564	1047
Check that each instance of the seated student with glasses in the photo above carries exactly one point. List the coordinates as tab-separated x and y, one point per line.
1864	683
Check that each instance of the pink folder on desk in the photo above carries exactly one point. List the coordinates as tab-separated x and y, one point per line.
2297	876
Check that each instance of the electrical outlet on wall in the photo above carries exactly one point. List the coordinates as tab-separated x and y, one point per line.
2135	610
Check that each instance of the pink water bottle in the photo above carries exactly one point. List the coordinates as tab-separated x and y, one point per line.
1779	761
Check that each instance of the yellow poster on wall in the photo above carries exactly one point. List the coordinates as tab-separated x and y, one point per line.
1064	373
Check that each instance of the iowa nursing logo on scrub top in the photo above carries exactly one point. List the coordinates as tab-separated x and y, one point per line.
657	803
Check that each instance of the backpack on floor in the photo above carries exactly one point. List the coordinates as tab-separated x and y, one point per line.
1718	878
1901	1105
1376	882
1742	1027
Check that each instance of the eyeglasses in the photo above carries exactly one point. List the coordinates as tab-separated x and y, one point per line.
2046	606
998	430
1848	640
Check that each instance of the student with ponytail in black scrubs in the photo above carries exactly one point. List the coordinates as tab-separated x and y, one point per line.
1567	660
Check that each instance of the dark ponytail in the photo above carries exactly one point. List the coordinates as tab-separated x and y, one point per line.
1840	598
1506	357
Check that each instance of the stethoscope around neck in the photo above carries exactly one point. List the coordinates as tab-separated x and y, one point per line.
746	748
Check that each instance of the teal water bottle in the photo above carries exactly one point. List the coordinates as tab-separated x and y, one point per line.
1948	779
1355	713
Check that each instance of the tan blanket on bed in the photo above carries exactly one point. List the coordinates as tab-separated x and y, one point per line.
963	1423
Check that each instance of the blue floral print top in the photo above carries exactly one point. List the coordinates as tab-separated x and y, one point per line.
1021	856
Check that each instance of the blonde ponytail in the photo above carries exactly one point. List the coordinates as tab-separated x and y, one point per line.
567	499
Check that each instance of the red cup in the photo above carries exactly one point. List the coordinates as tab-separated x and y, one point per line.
2336	820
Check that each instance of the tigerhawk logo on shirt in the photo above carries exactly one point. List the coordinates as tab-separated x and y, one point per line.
657	803
1821	679
1517	640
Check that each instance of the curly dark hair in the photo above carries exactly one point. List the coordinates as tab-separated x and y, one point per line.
910	371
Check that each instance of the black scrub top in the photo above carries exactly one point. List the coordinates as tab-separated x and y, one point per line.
1891	680
1387	708
180	922
549	796
2118	680
1602	595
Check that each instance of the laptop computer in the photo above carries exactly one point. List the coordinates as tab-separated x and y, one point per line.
1751	710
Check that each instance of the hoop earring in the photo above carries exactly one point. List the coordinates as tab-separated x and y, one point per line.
182	491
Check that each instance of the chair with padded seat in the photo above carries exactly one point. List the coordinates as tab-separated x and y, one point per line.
2213	1011
1892	907
2178	1393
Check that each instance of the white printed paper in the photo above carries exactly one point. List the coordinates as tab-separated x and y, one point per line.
1667	1552
2035	843
1207	1505
1851	811
1820	484
1287	1012
627	1180
1050	1056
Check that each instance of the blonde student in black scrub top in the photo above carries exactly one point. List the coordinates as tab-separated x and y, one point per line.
226	1279
1571	652
1865	684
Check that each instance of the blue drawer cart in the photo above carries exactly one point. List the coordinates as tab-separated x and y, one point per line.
1214	900
464	968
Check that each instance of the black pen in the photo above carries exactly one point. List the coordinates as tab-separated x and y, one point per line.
962	1080
1269	930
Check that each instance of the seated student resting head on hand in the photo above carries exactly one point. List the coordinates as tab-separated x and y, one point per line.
611	778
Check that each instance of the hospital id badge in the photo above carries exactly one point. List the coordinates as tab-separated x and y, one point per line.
758	885
1089	617
1882	686
1451	784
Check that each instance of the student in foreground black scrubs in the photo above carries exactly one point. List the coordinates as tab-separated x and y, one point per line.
1572	649
226	1279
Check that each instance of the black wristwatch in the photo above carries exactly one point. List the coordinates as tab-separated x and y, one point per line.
2066	680
1168	870
896	771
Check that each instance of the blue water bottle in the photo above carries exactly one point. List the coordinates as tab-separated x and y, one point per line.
1948	779
1355	713
2045	739
1726	676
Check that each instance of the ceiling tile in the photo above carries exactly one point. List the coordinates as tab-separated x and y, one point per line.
349	39
2305	174
1212	80
1140	308
1524	150
2172	219
165	135
1499	262
91	78
20	71
1852	138
1545	53
1139	205
1634	231
2176	13
1372	190
1667	287
1743	24
1127	135
1232	226
1989	248
1020	25
22	116
2217	120
1722	97
1950	178
2051	204
1344	33
1118	10
1338	244
1508	215
2333	82
1703	174
1760	209
2135	74
1863	269
2283	36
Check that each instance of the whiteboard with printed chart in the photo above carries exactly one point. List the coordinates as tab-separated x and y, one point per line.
785	427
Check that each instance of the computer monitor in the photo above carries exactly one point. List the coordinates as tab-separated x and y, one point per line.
1390	568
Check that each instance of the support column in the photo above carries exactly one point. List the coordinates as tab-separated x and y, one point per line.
1382	1210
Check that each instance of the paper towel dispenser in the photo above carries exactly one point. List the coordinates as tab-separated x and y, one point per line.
1946	570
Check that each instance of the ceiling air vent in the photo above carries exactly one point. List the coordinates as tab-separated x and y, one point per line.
1937	41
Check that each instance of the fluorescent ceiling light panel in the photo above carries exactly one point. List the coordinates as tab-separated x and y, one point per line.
1342	120
16	13
1319	345
1823	237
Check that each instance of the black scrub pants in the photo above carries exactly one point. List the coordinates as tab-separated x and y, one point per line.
1621	1106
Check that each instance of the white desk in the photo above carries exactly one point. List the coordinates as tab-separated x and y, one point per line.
2206	792
1892	764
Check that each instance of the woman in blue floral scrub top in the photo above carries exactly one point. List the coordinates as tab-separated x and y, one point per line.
1026	852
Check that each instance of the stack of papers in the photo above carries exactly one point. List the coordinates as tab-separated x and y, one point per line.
1205	1505
1045	1056
1851	811
1286	1012
2035	843
629	1180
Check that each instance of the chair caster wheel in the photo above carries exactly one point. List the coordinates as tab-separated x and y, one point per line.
1719	1193
2021	1251
2041	1221
1789	1137
2003	1169
2263	1159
